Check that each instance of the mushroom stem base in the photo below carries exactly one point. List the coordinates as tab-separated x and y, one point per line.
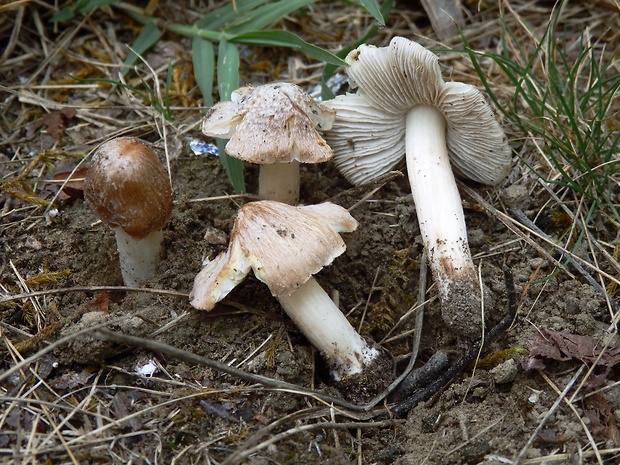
326	327
138	257
461	302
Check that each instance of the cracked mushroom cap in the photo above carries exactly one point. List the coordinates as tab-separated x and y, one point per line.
283	244
368	135
272	123
127	186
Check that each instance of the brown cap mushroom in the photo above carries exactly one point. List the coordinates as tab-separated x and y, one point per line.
273	125
285	246
403	107
128	188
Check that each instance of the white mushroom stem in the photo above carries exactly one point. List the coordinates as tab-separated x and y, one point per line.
279	182
326	327
138	257
438	207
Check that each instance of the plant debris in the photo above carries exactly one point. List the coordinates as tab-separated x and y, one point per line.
55	122
561	346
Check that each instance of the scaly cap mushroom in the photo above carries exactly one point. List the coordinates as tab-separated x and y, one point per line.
285	246
273	125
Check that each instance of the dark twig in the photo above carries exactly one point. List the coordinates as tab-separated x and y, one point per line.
422	376
521	456
239	455
400	387
403	407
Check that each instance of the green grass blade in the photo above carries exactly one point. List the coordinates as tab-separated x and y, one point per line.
223	15
227	81
79	7
279	38
329	69
203	60
372	7
148	37
227	69
264	16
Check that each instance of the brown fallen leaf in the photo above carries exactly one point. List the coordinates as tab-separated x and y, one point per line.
72	380
98	304
561	346
55	122
74	186
600	413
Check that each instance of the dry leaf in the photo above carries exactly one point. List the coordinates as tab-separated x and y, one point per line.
98	304
72	380
600	413
74	186
55	122
562	346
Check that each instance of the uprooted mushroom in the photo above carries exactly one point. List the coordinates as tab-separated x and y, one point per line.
404	107
286	246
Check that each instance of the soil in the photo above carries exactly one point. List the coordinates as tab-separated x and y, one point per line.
90	400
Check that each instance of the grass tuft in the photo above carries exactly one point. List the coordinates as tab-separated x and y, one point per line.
564	94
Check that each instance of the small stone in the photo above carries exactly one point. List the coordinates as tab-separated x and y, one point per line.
505	372
476	237
516	196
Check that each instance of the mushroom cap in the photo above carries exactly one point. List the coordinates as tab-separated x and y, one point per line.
368	134
283	244
272	123
127	187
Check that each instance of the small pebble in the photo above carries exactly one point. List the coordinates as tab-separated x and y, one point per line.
505	372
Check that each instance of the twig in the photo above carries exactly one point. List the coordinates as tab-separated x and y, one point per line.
403	407
407	381
306	414
519	459
518	214
574	410
27	361
238	456
509	223
190	357
27	295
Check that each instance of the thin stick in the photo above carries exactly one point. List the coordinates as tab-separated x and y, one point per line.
403	407
237	457
225	197
190	357
60	342
27	295
572	407
527	222
403	381
519	459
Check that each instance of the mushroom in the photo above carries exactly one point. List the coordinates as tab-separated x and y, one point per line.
404	107
272	125
286	246
128	188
